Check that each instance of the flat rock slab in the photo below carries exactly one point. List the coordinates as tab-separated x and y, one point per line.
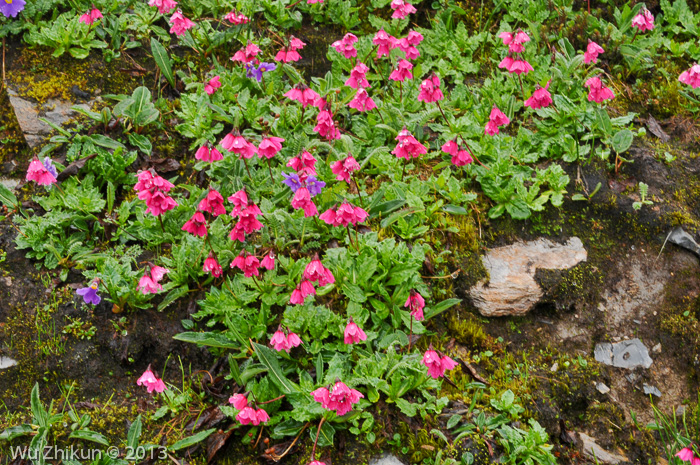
385	459
628	354
6	362
594	452
512	289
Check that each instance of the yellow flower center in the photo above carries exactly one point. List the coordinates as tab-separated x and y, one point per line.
93	285
9	2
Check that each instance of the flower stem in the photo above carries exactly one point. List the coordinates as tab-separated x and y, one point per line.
269	165
245	161
318	433
303	230
410	334
522	91
357	186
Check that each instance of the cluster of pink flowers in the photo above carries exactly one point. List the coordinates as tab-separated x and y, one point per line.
402	71
343	169
430	90
41	173
269	147
358	76
401	9
150	281
344	215
304	164
460	157
235	143
688	455
496	119
153	189
247	263
91	16
415	303
353	333
290	52
247	414
151	382
247	214
211	265
691	76
597	92
325	126
515	41
408	146
247	54
236	18
346	45
314	272
208	153
592	52
212	203
211	86
644	21
179	23
339	398
303	94
281	341
541	98
362	101
164	6
437	365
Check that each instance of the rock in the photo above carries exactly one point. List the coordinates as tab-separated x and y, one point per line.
651	390
681	238
626	354
657	348
596	453
10	183
554	367
62	111
385	459
655	129
28	118
511	288
8	167
6	362
602	388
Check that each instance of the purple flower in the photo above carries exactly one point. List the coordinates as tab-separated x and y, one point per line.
11	8
48	164
291	180
314	185
252	72
89	293
264	67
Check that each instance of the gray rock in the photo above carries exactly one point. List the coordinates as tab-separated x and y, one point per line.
681	238
6	362
10	183
596	453
651	390
511	288
28	118
385	459
602	388
657	348
625	354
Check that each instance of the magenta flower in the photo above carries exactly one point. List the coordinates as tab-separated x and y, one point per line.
39	173
90	17
430	90
235	143
515	66
541	98
213	203
345	46
358	76
149	282
597	92
269	147
236	18
279	341
302	201
208	153
686	454
315	271
164	6
353	333
340	398
514	40
460	157
180	24
385	42
310	2
303	94
268	262
402	71
362	101
343	169
325	126
644	21
211	86
691	76
592	52
89	294
344	215
211	265
247	216
401	9
289	53
246	54
304	164
246	263
249	415
151	382
239	401
408	147
436	365
317	462
496	119
415	303
408	44
304	288
196	225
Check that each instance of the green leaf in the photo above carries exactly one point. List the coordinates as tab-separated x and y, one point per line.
87	435
38	411
454	209
7	197
191	440
207	339
622	140
453	421
110	197
173	296
440	307
269	359
325	435
15	431
142	142
354	292
163	61
132	437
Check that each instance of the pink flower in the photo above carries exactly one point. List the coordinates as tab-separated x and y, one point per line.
402	71
385	43
408	44
436	365
691	76
407	146
246	54
317	462
346	46
415	303
262	416
148	284
164	6
213	203
208	153
358	76
310	2
289	53
269	147
211	86
279	341
401	9
239	145
430	90
211	265
686	454
239	201
315	271
304	288
541	98
239	401
344	215
302	94
38	173
149	380
159	203
362	101
353	333
304	164
246	263
496	119
597	92
247	416
459	157
196	225
268	262
514	41
340	398
236	18
644	21
180	24
592	52
302	200
91	16
343	169
515	66
325	126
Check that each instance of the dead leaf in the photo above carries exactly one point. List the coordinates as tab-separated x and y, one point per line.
655	129
215	442
73	168
472	372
